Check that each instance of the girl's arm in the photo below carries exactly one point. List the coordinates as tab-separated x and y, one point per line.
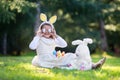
34	43
60	42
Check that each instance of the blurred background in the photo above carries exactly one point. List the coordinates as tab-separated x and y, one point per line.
77	19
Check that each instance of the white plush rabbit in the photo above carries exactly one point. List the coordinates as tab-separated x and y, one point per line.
83	60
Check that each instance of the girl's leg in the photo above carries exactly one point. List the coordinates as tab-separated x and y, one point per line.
99	63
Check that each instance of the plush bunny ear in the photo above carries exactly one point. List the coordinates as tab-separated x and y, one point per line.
77	42
88	40
43	17
53	19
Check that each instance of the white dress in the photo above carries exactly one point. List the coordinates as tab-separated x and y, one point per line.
44	48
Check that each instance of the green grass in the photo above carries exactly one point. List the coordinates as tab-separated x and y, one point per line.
20	68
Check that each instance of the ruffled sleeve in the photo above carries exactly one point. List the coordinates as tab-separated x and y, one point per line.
60	42
34	43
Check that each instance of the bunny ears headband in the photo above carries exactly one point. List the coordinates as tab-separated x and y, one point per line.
84	41
43	18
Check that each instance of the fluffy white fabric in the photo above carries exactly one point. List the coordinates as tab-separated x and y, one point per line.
83	61
44	48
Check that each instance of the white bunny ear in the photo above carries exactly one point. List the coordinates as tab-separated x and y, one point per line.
77	42
88	40
53	19
43	17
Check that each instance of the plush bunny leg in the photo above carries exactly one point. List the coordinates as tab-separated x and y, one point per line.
99	63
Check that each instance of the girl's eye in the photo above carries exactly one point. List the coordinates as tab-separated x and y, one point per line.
43	30
49	30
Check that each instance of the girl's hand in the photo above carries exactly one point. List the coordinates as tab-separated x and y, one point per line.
39	33
53	34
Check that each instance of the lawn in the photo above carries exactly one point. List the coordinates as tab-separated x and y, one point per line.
20	68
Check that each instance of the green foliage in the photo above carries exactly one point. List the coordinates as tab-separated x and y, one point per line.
9	8
16	19
78	19
20	68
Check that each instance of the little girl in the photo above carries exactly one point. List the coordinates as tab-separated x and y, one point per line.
45	42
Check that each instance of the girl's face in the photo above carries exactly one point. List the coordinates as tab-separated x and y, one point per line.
46	30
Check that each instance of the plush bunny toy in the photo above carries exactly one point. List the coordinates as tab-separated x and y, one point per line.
83	60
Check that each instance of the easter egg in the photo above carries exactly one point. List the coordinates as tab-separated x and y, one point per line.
54	52
63	53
